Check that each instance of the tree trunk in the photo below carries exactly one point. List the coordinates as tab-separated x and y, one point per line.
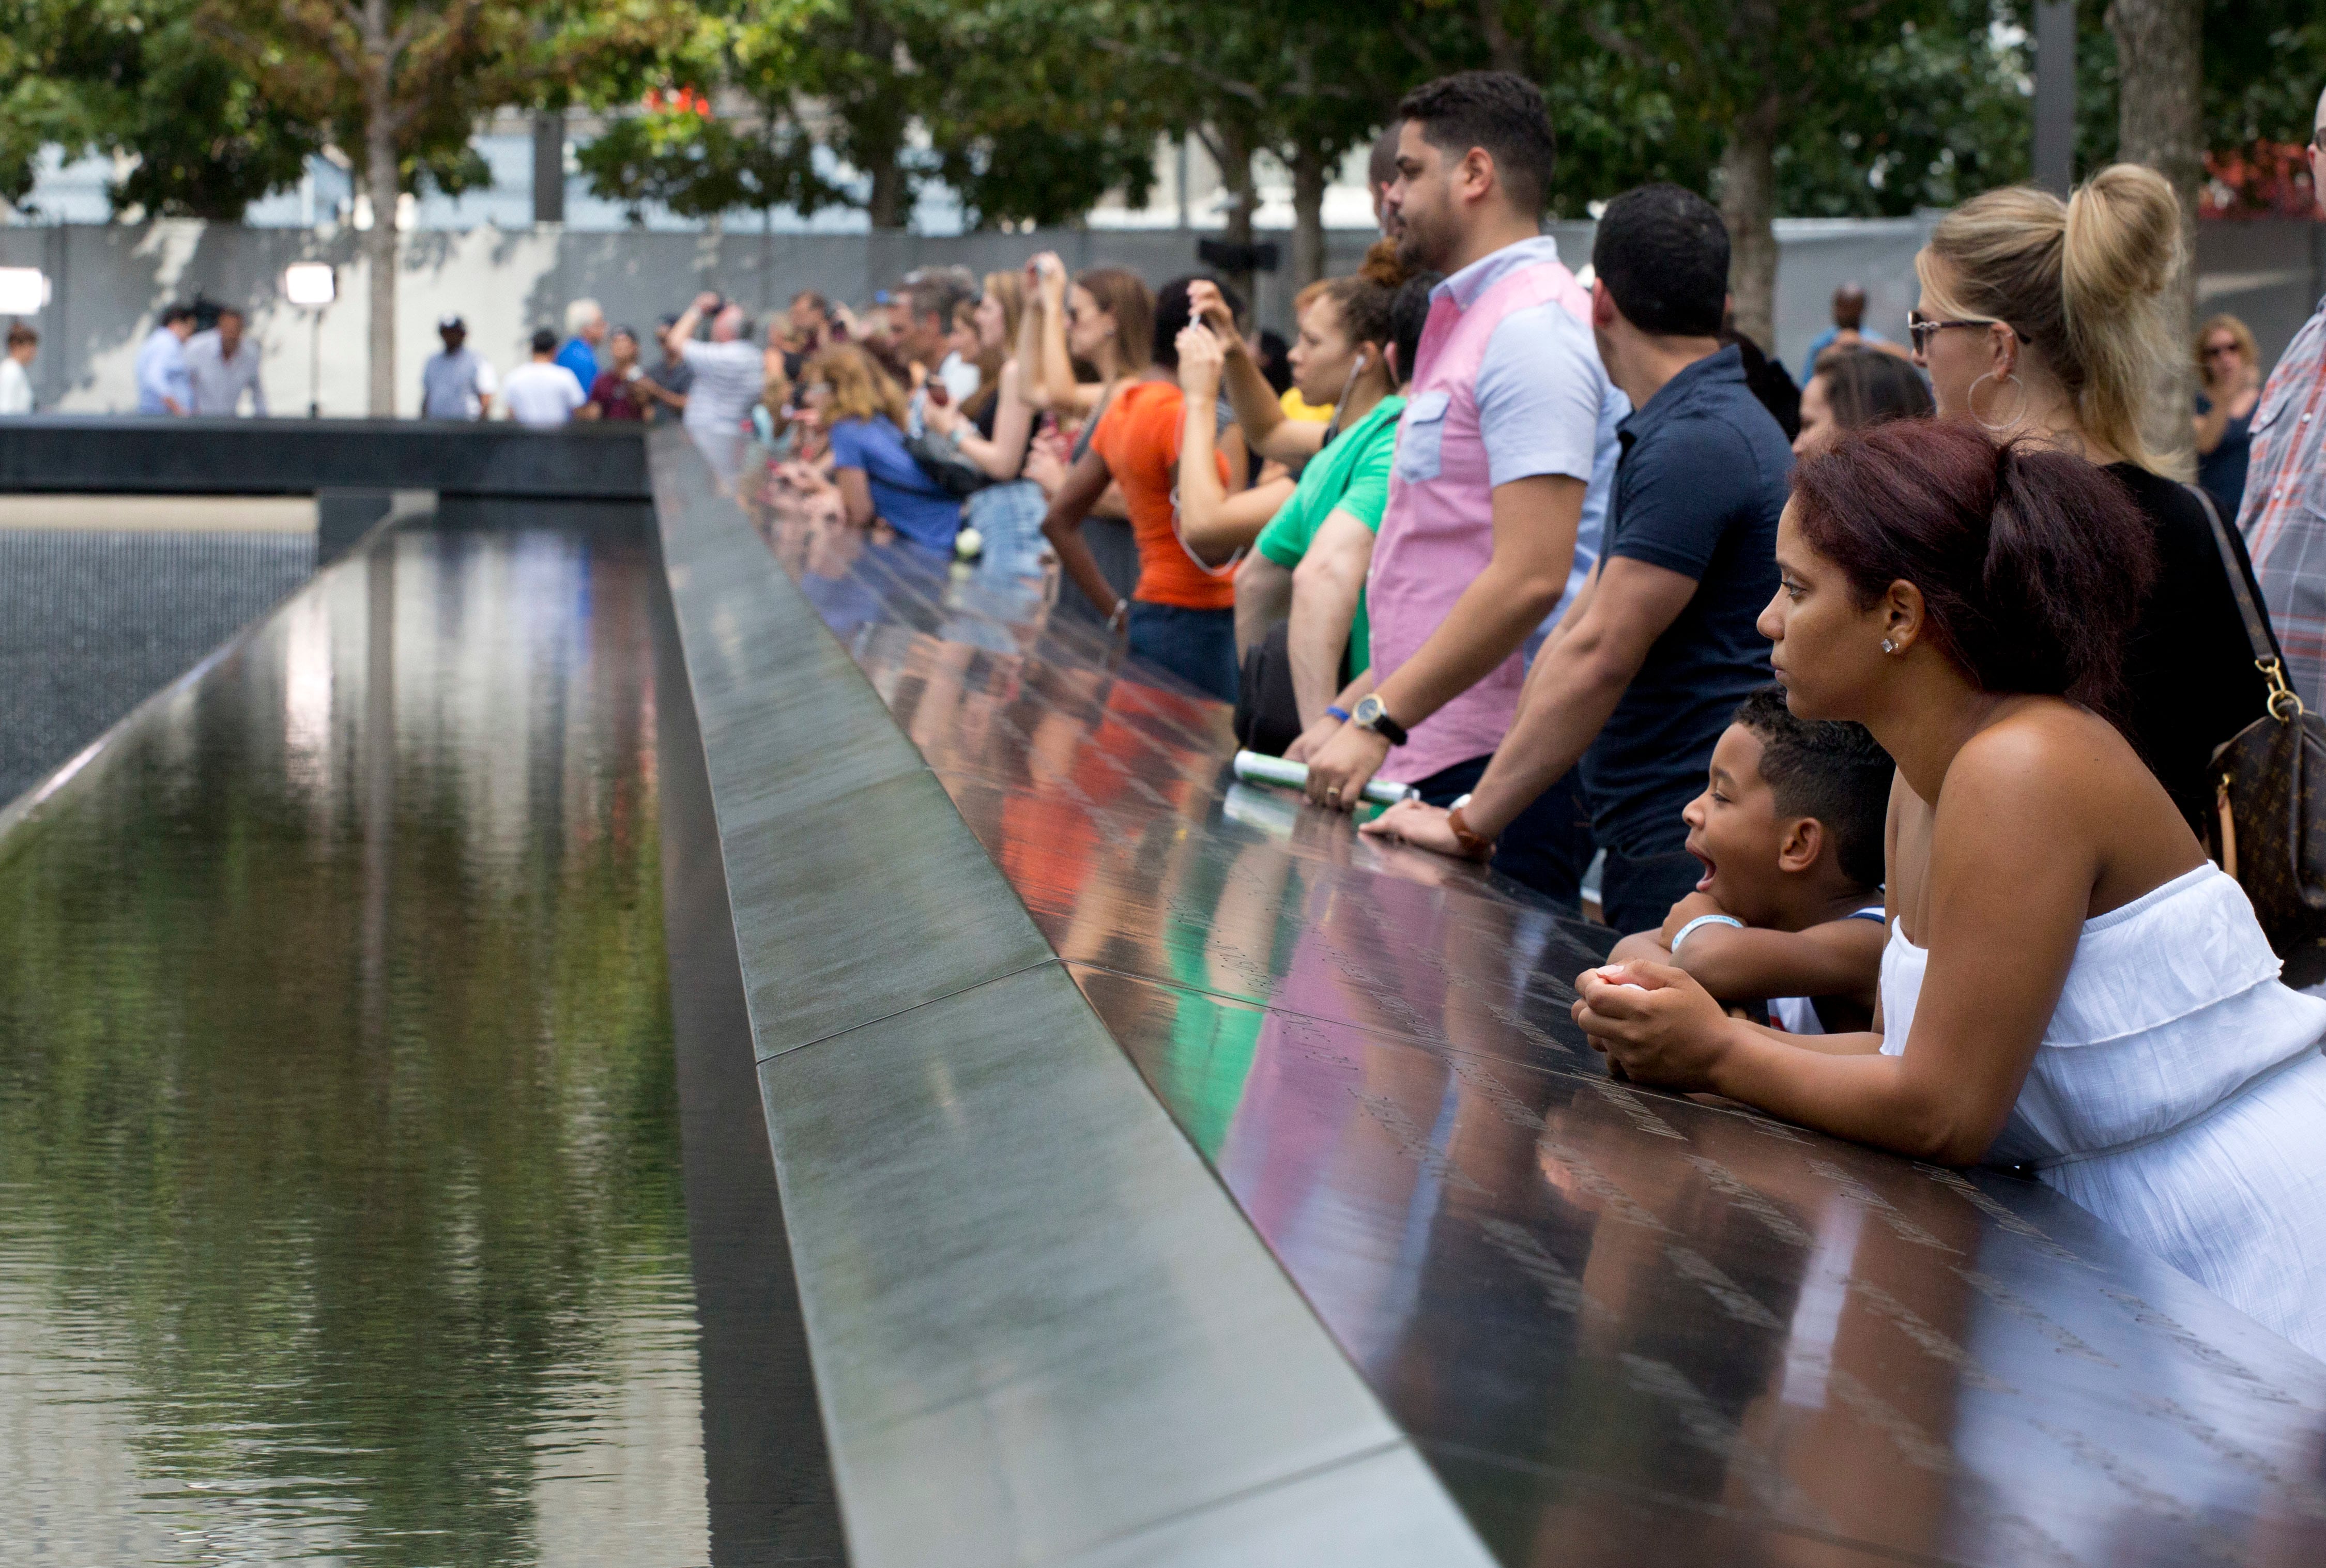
879	113
2159	46
380	185
1308	180
1235	175
1503	51
1748	203
887	205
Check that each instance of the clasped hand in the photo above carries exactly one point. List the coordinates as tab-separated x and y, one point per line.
1654	1021
1339	770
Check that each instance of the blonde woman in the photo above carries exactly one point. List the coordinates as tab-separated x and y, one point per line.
993	427
2039	320
2228	371
861	412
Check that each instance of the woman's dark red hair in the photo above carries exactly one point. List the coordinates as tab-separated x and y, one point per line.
2032	564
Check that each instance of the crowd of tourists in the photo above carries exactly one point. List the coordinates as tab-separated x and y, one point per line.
1909	711
1903	708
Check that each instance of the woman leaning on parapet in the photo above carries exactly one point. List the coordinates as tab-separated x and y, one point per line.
2069	985
2040	319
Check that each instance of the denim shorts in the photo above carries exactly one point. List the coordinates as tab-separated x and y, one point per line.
1198	646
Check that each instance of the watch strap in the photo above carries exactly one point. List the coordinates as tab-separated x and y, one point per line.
1370	715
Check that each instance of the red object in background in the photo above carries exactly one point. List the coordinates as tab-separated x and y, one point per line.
2266	180
685	100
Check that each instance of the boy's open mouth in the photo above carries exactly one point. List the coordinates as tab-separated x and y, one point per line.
1704	883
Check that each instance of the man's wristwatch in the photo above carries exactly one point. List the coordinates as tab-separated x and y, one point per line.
1369	714
1473	845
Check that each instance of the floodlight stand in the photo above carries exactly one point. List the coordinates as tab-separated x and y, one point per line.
315	365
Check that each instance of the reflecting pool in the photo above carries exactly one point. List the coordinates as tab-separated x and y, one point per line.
341	1212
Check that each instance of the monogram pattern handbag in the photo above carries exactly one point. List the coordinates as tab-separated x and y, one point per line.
2269	825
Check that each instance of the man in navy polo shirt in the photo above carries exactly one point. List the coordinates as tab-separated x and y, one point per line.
1643	672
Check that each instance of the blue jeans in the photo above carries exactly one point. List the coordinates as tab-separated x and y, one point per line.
1547	847
1198	646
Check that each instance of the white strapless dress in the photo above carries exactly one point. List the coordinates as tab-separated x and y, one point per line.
2179	1094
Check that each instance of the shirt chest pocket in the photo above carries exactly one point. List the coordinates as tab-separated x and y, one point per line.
1420	435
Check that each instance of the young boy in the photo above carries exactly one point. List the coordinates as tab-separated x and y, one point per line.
1790	910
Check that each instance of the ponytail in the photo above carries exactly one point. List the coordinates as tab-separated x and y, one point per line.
2122	251
2082	281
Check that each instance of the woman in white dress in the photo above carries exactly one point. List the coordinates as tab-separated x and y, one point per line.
2070	983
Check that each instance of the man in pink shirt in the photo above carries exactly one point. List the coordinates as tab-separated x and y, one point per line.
1504	455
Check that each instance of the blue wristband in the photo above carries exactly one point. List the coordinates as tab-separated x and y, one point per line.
1340	713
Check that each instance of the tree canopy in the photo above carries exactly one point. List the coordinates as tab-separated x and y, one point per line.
1030	110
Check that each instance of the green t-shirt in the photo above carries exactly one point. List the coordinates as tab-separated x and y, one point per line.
1351	476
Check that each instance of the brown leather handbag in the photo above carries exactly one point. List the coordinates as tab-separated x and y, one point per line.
2269	825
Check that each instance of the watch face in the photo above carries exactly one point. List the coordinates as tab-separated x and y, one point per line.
1368	712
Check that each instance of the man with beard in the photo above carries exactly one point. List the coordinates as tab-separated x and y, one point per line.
1504	455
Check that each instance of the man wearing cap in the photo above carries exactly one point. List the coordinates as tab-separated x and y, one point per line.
458	383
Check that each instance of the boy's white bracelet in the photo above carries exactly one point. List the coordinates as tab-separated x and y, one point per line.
1703	920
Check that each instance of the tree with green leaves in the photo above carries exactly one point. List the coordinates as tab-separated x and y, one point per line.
1304	79
138	79
2264	62
676	151
1757	77
994	100
400	84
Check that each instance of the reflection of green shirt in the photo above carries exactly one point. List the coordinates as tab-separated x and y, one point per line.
1351	476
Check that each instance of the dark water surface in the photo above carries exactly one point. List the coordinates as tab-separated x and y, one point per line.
342	1213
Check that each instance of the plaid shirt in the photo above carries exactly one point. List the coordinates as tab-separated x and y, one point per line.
2283	516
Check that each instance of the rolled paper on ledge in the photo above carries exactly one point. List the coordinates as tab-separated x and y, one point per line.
1253	767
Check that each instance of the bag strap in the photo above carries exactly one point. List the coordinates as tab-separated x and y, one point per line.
1090	426
2284	702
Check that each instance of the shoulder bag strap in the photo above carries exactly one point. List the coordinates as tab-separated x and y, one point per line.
2257	627
1090	425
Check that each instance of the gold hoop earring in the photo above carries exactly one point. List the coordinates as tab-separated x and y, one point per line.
1996	427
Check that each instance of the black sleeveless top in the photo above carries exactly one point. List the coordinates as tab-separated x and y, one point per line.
2189	677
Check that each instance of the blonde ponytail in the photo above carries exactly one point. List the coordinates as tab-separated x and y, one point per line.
2083	280
2123	252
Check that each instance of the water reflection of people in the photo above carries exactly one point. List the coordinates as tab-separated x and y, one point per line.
2110	1012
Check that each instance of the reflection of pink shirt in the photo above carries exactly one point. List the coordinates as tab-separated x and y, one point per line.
1507	385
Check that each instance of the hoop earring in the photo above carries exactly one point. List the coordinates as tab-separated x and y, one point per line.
1996	427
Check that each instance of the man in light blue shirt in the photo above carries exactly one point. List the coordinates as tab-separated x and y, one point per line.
164	384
